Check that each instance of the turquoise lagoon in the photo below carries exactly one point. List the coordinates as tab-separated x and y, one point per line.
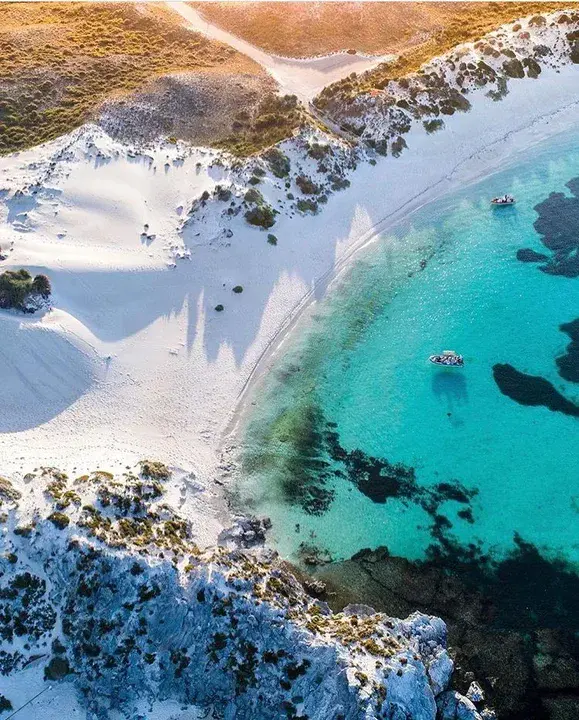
463	461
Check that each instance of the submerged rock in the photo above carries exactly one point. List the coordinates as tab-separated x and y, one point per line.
530	256
531	390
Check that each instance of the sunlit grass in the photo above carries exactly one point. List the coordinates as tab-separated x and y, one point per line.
59	61
471	23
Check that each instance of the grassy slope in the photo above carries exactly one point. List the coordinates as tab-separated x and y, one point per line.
60	60
298	29
470	23
305	29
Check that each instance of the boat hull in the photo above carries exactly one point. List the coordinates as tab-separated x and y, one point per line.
446	362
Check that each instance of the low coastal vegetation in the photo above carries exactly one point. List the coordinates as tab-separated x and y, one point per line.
259	212
380	107
120	572
60	61
468	23
273	120
422	30
19	290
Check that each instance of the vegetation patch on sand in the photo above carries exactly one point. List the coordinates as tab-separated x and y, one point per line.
463	22
274	119
19	290
59	61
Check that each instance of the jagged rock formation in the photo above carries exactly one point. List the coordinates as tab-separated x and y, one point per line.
157	618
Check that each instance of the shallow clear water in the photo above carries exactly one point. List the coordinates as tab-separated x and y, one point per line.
447	278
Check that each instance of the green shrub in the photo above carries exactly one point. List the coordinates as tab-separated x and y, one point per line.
253	196
514	68
219	308
238	289
318	151
271	239
56	669
533	67
5	704
278	162
60	520
537	21
382	147
398	145
223	194
254	180
16	287
433	125
154	470
8	492
41	285
307	186
307	206
261	216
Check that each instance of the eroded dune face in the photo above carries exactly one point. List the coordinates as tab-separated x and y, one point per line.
43	370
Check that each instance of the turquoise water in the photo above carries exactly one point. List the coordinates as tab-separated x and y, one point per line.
446	278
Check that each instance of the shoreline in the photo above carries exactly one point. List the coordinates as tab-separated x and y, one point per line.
173	373
275	347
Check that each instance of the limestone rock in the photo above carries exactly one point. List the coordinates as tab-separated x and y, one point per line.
454	706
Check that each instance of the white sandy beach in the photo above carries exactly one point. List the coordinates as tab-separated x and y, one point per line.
133	361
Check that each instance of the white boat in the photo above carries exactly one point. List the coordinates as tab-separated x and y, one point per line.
447	358
503	200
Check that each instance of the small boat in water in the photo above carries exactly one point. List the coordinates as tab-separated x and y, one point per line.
503	200
448	358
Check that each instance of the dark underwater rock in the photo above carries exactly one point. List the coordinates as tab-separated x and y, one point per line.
513	623
558	224
531	390
530	256
568	364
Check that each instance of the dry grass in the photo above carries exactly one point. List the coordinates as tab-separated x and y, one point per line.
471	22
59	61
304	29
203	108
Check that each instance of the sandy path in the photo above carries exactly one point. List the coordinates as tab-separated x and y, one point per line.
304	78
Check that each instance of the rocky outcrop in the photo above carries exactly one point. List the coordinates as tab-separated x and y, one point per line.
156	618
